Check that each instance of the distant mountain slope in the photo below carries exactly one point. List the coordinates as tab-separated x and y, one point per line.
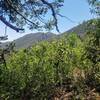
30	39
82	28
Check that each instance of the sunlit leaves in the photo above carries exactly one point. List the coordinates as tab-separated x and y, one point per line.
35	71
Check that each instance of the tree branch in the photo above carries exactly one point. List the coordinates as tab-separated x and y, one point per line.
53	13
9	25
9	3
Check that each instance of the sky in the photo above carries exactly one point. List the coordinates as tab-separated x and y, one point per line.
76	10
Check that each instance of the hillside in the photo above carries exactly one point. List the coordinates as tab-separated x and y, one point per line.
30	39
64	69
82	28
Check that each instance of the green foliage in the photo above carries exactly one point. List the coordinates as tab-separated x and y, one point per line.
38	71
95	6
32	13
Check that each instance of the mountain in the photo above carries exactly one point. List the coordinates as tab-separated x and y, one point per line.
29	39
82	28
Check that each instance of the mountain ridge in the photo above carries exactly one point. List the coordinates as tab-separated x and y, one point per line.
29	39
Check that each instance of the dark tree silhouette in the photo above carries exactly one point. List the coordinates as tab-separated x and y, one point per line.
95	6
18	13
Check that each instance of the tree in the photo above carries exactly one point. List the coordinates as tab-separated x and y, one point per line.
32	13
95	6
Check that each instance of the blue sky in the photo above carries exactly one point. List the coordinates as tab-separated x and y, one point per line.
76	10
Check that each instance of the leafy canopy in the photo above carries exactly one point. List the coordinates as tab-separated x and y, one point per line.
31	12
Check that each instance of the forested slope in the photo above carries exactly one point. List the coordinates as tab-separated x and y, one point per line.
65	68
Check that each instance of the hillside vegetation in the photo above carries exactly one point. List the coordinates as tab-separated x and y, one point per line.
68	67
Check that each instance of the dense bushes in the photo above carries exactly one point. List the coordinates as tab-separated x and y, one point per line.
42	71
